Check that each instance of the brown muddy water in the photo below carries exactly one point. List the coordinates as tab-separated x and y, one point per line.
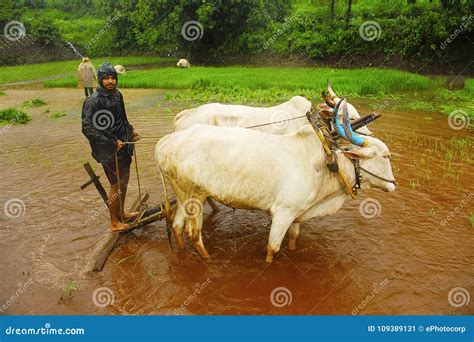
414	256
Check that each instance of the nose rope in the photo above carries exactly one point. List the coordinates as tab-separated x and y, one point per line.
376	176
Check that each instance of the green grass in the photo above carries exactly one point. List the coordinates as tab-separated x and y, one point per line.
234	80
471	218
36	102
14	116
268	85
58	115
9	74
2	93
444	101
68	291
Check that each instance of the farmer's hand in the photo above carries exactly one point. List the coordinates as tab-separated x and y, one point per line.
119	145
136	136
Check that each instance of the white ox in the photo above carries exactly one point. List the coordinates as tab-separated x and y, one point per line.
218	114
183	63
284	175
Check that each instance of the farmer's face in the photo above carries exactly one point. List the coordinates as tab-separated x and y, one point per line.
109	82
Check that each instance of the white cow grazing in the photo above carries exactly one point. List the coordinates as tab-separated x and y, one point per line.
218	114
183	63
120	69
285	175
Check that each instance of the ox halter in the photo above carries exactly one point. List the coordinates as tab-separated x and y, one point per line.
358	175
347	133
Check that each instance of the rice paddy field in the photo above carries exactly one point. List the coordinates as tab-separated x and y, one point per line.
414	243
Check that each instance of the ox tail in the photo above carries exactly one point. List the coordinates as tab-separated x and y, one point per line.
167	207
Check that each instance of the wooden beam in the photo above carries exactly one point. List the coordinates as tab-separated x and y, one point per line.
110	239
95	180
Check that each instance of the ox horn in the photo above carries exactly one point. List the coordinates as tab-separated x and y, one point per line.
346	131
330	91
329	101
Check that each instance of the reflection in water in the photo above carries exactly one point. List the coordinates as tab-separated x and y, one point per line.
403	255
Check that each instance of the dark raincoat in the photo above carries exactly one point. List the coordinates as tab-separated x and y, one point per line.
104	121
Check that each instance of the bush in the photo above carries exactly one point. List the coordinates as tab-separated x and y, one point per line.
13	116
44	31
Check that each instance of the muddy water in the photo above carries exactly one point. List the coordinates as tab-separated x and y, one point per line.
402	261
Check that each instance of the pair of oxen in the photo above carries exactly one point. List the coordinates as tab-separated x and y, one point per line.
227	152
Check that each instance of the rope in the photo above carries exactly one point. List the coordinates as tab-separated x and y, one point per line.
118	180
138	177
275	122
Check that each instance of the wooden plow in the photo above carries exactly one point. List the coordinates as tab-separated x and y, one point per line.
148	214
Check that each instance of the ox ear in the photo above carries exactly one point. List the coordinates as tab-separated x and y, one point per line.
325	111
329	101
360	153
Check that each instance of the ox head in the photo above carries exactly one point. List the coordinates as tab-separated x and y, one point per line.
332	99
372	154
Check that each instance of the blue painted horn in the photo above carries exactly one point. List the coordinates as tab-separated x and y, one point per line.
346	131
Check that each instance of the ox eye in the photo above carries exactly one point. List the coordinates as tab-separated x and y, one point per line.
387	157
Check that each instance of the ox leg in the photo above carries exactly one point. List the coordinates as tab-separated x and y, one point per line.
194	231
213	204
293	232
280	225
178	225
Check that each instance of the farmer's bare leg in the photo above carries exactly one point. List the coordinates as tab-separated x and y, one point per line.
114	208
124	178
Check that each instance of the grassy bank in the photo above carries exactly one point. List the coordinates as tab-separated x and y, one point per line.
268	85
349	81
34	71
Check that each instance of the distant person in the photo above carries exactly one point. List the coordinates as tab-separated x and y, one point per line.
86	77
105	124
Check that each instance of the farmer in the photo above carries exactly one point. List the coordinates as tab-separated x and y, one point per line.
105	124
86	77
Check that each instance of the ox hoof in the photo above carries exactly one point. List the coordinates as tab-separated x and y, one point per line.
203	253
269	259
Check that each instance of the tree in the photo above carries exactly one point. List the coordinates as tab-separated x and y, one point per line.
45	32
332	9
349	9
